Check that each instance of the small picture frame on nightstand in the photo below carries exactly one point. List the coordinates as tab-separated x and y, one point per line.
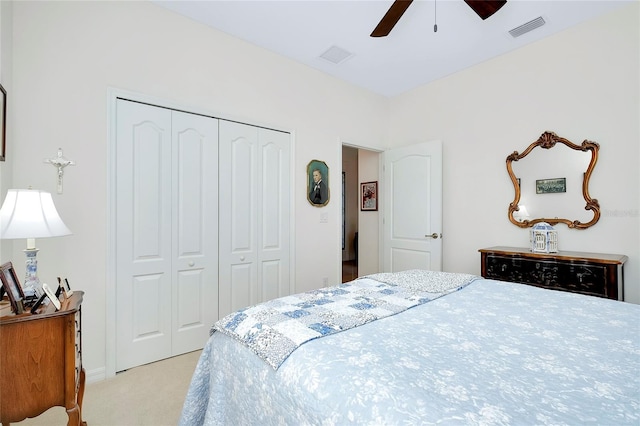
65	287
12	287
52	296
48	293
36	306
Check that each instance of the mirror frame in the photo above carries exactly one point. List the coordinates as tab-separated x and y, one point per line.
547	141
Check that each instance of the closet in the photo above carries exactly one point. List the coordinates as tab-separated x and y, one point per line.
254	218
199	201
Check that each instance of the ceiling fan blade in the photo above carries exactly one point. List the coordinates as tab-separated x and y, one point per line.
485	8
391	18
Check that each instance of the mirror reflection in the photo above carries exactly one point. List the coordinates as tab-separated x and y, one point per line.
551	182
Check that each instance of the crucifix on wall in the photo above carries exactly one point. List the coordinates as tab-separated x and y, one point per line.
60	162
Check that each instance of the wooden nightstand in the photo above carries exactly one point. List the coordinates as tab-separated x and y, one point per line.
595	274
41	362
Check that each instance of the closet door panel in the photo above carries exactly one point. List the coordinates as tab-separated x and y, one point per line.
242	196
166	232
143	235
242	291
271	188
274	220
239	202
190	185
193	310
147	319
147	194
271	273
195	233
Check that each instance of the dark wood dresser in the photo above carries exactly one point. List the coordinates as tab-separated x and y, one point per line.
41	362
595	274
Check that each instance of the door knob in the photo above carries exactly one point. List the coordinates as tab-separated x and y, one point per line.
242	258
191	263
434	236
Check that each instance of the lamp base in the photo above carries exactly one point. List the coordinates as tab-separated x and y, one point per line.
32	287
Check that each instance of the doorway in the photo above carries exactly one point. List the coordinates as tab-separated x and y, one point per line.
360	229
349	213
417	237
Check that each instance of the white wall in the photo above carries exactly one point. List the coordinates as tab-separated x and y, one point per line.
67	54
6	50
582	84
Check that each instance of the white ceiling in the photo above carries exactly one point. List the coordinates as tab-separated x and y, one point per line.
412	55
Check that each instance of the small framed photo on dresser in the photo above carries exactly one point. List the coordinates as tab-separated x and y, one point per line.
65	287
12	287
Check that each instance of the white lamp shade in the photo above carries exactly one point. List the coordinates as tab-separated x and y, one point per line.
30	213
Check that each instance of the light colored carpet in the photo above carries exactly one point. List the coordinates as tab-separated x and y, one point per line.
151	394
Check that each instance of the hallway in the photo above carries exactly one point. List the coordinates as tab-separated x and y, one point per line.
349	271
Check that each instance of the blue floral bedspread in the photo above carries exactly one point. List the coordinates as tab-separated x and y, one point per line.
493	353
274	329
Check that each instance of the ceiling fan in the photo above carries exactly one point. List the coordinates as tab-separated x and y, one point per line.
484	9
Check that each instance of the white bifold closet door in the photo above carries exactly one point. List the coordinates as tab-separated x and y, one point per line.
254	215
166	232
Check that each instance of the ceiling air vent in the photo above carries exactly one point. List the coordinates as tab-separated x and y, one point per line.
529	26
336	54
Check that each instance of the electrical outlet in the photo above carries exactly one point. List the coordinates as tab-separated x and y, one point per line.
325	281
324	217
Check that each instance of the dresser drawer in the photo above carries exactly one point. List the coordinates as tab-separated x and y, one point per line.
586	273
576	277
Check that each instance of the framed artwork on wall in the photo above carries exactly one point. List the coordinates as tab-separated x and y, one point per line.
3	124
369	196
318	183
344	209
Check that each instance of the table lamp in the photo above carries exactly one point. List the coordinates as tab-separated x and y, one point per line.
30	214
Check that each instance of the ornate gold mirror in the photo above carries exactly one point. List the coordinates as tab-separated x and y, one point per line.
552	182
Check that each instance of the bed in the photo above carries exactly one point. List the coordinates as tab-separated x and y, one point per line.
474	351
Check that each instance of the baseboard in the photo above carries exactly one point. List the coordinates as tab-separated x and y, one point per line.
96	375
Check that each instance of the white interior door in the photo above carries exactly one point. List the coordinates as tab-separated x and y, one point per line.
413	208
254	215
166	232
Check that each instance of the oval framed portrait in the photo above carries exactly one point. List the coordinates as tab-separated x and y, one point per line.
318	193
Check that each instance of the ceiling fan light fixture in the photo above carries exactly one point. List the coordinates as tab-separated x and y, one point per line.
336	55
528	26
